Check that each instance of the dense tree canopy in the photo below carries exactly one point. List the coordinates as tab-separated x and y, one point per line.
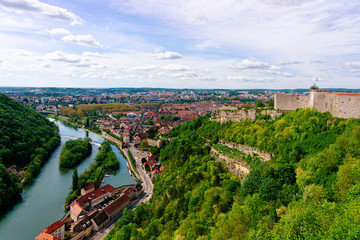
74	151
27	139
90	109
310	189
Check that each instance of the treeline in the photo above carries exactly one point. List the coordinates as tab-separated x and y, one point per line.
105	161
169	118
93	109
74	151
27	139
309	190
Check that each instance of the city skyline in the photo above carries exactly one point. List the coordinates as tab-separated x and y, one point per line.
269	44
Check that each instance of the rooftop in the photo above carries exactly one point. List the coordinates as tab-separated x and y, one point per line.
45	236
52	227
93	195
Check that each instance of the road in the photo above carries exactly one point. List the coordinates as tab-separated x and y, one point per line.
146	182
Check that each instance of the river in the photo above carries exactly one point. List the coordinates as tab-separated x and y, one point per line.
42	202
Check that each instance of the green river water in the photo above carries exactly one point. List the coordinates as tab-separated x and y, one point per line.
42	202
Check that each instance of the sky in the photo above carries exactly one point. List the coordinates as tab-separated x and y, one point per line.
228	44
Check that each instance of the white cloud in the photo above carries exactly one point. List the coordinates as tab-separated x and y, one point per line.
83	40
95	54
166	55
59	31
248	64
287	62
353	66
250	79
19	52
175	67
144	68
63	57
41	8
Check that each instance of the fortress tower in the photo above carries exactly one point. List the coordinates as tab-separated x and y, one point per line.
342	105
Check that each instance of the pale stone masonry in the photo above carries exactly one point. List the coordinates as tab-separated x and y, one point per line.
342	105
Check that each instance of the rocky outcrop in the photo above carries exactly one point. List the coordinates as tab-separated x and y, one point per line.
234	166
264	156
235	115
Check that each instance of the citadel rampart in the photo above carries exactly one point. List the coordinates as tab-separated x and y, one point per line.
342	105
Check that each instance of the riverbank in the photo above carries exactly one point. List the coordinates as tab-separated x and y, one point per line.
34	211
138	155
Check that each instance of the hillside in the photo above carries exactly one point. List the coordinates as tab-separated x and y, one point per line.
27	139
309	189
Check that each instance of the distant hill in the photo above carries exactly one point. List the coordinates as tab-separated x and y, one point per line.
27	139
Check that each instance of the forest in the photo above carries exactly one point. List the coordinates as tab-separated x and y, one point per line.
310	189
93	109
74	152
105	161
27	140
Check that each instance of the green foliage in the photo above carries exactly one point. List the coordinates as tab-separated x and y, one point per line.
75	180
310	189
27	139
89	109
132	160
169	118
74	151
105	161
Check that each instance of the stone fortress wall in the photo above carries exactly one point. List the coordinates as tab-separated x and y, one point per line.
342	105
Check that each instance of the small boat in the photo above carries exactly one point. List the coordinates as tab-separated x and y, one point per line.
107	175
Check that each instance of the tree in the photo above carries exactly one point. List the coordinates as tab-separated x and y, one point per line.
144	144
260	104
87	123
75	180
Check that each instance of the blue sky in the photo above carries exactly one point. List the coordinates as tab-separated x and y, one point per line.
180	44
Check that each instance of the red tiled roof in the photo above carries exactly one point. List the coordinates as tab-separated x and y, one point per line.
76	209
116	204
45	236
93	195
52	227
88	187
127	191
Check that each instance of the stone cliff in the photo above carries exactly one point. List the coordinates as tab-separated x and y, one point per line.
235	115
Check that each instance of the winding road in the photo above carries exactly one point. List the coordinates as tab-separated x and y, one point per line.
145	179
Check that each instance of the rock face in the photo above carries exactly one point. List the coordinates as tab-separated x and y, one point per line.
234	166
236	115
264	156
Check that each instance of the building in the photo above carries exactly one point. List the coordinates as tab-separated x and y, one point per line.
342	105
57	229
80	205
100	221
116	207
87	189
46	236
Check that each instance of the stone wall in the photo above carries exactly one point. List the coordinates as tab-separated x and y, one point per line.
289	102
226	115
342	105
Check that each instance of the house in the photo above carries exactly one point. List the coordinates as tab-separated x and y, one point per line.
126	138
151	157
57	229
46	236
76	211
137	139
11	170
114	208
90	199
100	220
87	189
138	190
